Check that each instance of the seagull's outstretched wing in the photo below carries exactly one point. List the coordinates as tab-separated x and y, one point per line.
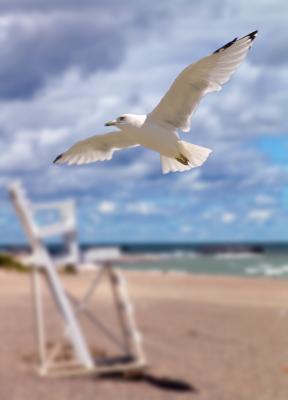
95	148
206	75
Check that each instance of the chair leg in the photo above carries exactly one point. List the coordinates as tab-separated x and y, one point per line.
65	308
125	314
39	316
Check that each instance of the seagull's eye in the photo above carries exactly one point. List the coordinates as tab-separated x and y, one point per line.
121	119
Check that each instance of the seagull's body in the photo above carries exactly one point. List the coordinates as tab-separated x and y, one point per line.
151	135
158	130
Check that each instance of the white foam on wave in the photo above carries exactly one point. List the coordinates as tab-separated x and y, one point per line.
267	270
236	256
177	254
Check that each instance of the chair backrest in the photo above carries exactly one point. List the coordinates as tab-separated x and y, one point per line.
65	227
24	211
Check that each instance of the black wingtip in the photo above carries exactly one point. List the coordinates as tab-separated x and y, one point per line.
57	158
251	35
226	46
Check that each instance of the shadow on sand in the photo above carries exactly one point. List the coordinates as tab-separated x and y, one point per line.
164	383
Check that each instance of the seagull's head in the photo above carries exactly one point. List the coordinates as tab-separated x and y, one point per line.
127	120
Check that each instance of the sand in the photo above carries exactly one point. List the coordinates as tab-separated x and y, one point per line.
217	338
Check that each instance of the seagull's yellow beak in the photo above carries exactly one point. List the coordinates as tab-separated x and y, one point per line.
111	123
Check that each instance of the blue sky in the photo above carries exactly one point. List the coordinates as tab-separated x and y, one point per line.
67	67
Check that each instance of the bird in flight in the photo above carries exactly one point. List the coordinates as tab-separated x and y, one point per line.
158	130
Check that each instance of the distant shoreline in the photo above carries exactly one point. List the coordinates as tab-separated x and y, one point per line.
202	248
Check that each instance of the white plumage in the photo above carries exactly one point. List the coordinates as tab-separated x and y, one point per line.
158	130
96	148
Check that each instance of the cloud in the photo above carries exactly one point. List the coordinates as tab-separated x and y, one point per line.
218	214
107	207
40	45
142	208
52	45
264	199
275	55
260	215
227	217
68	67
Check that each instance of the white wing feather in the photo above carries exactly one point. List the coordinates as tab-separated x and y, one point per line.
96	148
206	75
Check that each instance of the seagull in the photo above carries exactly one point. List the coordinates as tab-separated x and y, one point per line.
158	130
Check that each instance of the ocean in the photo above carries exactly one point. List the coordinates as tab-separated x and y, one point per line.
245	264
253	260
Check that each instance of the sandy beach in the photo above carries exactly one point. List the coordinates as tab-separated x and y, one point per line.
218	338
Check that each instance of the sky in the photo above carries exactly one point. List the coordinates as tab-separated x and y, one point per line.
67	67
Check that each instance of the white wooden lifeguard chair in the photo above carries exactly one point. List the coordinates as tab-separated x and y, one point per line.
131	358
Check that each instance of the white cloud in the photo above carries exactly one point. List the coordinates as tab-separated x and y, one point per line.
227	217
217	214
107	207
17	156
142	207
260	215
264	199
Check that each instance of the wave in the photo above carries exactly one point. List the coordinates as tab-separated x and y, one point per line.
268	270
236	256
177	254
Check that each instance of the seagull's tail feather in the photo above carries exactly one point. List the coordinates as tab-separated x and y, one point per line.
172	165
196	155
190	156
